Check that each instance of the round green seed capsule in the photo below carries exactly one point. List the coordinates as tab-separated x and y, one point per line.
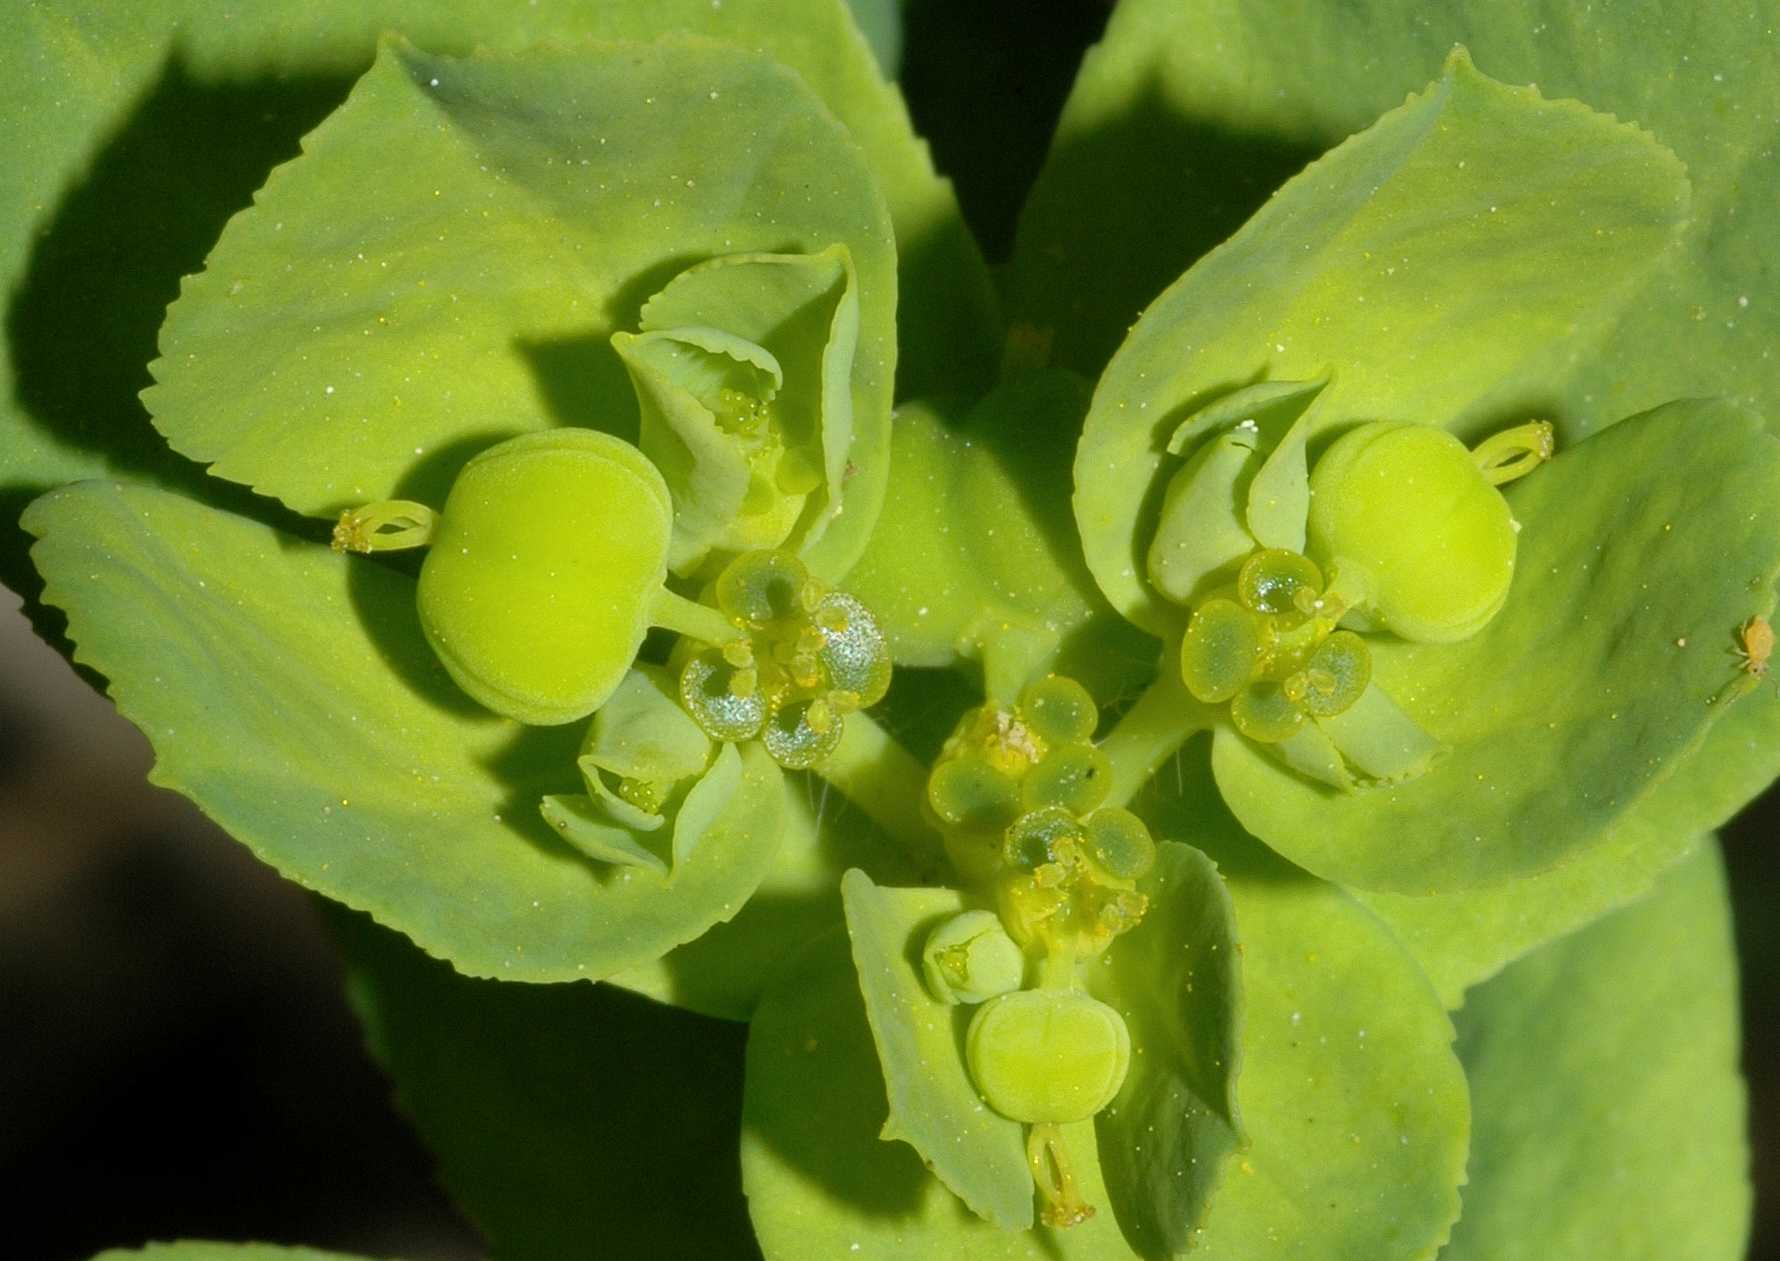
1264	713
545	560
1274	580
970	958
1076	777
723	698
801	733
970	792
1221	650
1036	837
1334	678
1060	710
1408	506
1120	844
757	589
1047	1055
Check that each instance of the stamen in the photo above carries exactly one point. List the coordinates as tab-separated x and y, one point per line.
387	526
1514	453
1048	1158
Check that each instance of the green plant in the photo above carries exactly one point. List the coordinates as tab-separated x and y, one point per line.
1238	691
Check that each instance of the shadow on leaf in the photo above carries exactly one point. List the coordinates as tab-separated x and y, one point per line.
1187	185
569	1120
81	324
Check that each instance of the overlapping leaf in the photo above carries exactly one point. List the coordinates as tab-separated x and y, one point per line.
567	1120
978	560
1352	1100
1642	550
1610	1112
1456	249
360	333
822	1184
1194	113
160	107
1166	1141
934	1107
288	691
725	971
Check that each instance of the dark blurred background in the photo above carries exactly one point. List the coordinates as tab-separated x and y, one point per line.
177	1059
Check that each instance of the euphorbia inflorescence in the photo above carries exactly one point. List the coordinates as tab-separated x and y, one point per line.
1398	529
802	658
1020	794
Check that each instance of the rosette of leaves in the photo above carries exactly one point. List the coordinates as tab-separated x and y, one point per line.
1549	688
446	265
358	335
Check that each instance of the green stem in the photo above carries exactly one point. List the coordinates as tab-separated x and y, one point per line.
885	781
689	618
1056	970
1011	656
1163	719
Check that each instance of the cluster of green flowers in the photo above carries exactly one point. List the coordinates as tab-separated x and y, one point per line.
1019	796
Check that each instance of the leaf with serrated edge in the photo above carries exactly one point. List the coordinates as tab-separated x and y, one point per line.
1610	1111
1465	239
1642	549
934	1106
360	332
1195	112
289	692
526	1096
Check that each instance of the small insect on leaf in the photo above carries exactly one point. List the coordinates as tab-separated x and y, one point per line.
1753	647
